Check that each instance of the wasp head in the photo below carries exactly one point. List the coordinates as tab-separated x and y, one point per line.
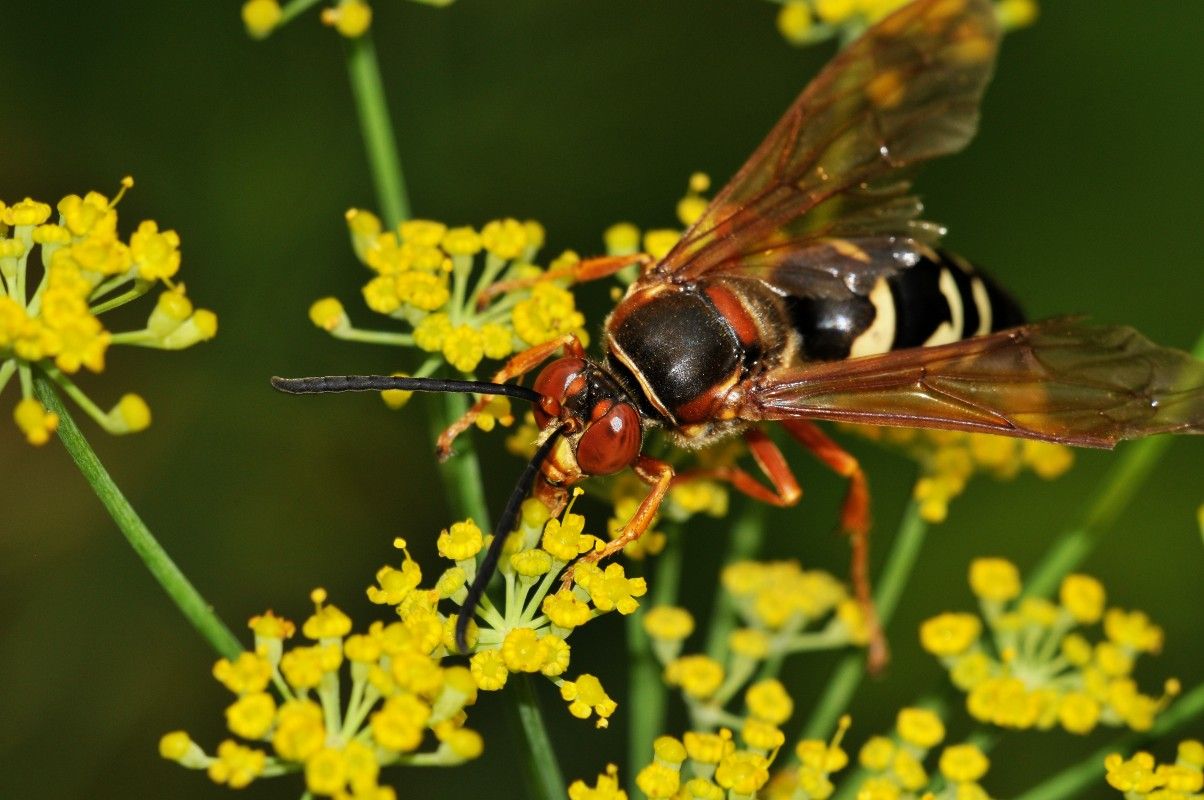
600	423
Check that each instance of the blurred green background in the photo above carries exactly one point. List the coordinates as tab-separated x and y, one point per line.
1082	193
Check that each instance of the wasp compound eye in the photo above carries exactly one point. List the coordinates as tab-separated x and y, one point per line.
610	443
555	384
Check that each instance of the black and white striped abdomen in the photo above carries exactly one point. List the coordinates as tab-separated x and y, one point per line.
934	301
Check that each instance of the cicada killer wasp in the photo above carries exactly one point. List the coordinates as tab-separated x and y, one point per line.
811	288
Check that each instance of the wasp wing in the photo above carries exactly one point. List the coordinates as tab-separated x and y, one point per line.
908	90
1060	380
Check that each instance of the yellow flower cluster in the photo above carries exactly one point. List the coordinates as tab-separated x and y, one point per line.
948	459
466	295
403	706
1035	668
528	632
85	269
351	18
774	603
1141	777
894	765
804	22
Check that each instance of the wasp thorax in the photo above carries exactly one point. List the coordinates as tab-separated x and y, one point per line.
597	415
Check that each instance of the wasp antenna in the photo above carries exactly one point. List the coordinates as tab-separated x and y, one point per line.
380	383
501	530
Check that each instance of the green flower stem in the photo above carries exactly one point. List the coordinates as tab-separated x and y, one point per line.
543	771
1073	780
649	695
6	372
848	674
295	8
374	337
165	571
139	289
379	139
746	537
462	472
94	411
1130	472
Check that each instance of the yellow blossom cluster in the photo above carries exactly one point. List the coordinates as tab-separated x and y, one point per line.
1035	668
1142	778
51	306
893	767
466	295
351	18
804	22
403	705
527	633
948	459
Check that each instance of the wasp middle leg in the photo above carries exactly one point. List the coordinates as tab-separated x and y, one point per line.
785	491
591	269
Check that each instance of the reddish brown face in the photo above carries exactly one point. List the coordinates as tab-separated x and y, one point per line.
607	426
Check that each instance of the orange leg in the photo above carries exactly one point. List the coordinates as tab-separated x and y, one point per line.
659	476
517	366
591	269
785	491
854	520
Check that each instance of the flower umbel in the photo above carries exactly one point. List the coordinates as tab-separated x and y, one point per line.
1035	668
83	269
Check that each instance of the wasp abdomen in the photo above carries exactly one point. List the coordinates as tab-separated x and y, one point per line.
936	300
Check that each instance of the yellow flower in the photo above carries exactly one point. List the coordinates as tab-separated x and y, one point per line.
461	242
1016	13
795	22
605	788
35	421
658	780
950	634
461	541
749	642
326	771
563	539
1078	712
586	696
400	723
251	715
708	748
261	17
963	763
668	623
1136	774
877	753
768	700
505	238
522	651
531	563
658	243
549	312
1083	597
699	676
761	735
236	766
489	670
247	674
611	589
994	579
920	727
351	18
558	655
564	610
621	239
1133	629
463	348
742	772
155	254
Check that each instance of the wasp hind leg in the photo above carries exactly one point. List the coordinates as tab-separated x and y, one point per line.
854	521
519	365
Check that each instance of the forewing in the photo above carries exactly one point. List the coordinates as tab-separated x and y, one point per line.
908	90
1061	381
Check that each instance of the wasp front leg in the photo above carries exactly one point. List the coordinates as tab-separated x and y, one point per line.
591	269
659	476
854	521
516	367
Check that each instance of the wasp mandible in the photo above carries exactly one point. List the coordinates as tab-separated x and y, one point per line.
812	289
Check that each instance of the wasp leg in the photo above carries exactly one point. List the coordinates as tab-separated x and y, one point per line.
591	269
855	521
659	476
517	366
769	458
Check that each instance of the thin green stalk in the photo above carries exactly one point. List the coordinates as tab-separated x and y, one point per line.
295	8
649	696
377	127
1073	780
543	771
904	552
745	541
165	571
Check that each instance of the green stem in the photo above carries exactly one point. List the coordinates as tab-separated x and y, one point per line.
649	696
379	139
746	537
1127	475
543	771
462	472
295	8
165	571
848	674
1073	780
